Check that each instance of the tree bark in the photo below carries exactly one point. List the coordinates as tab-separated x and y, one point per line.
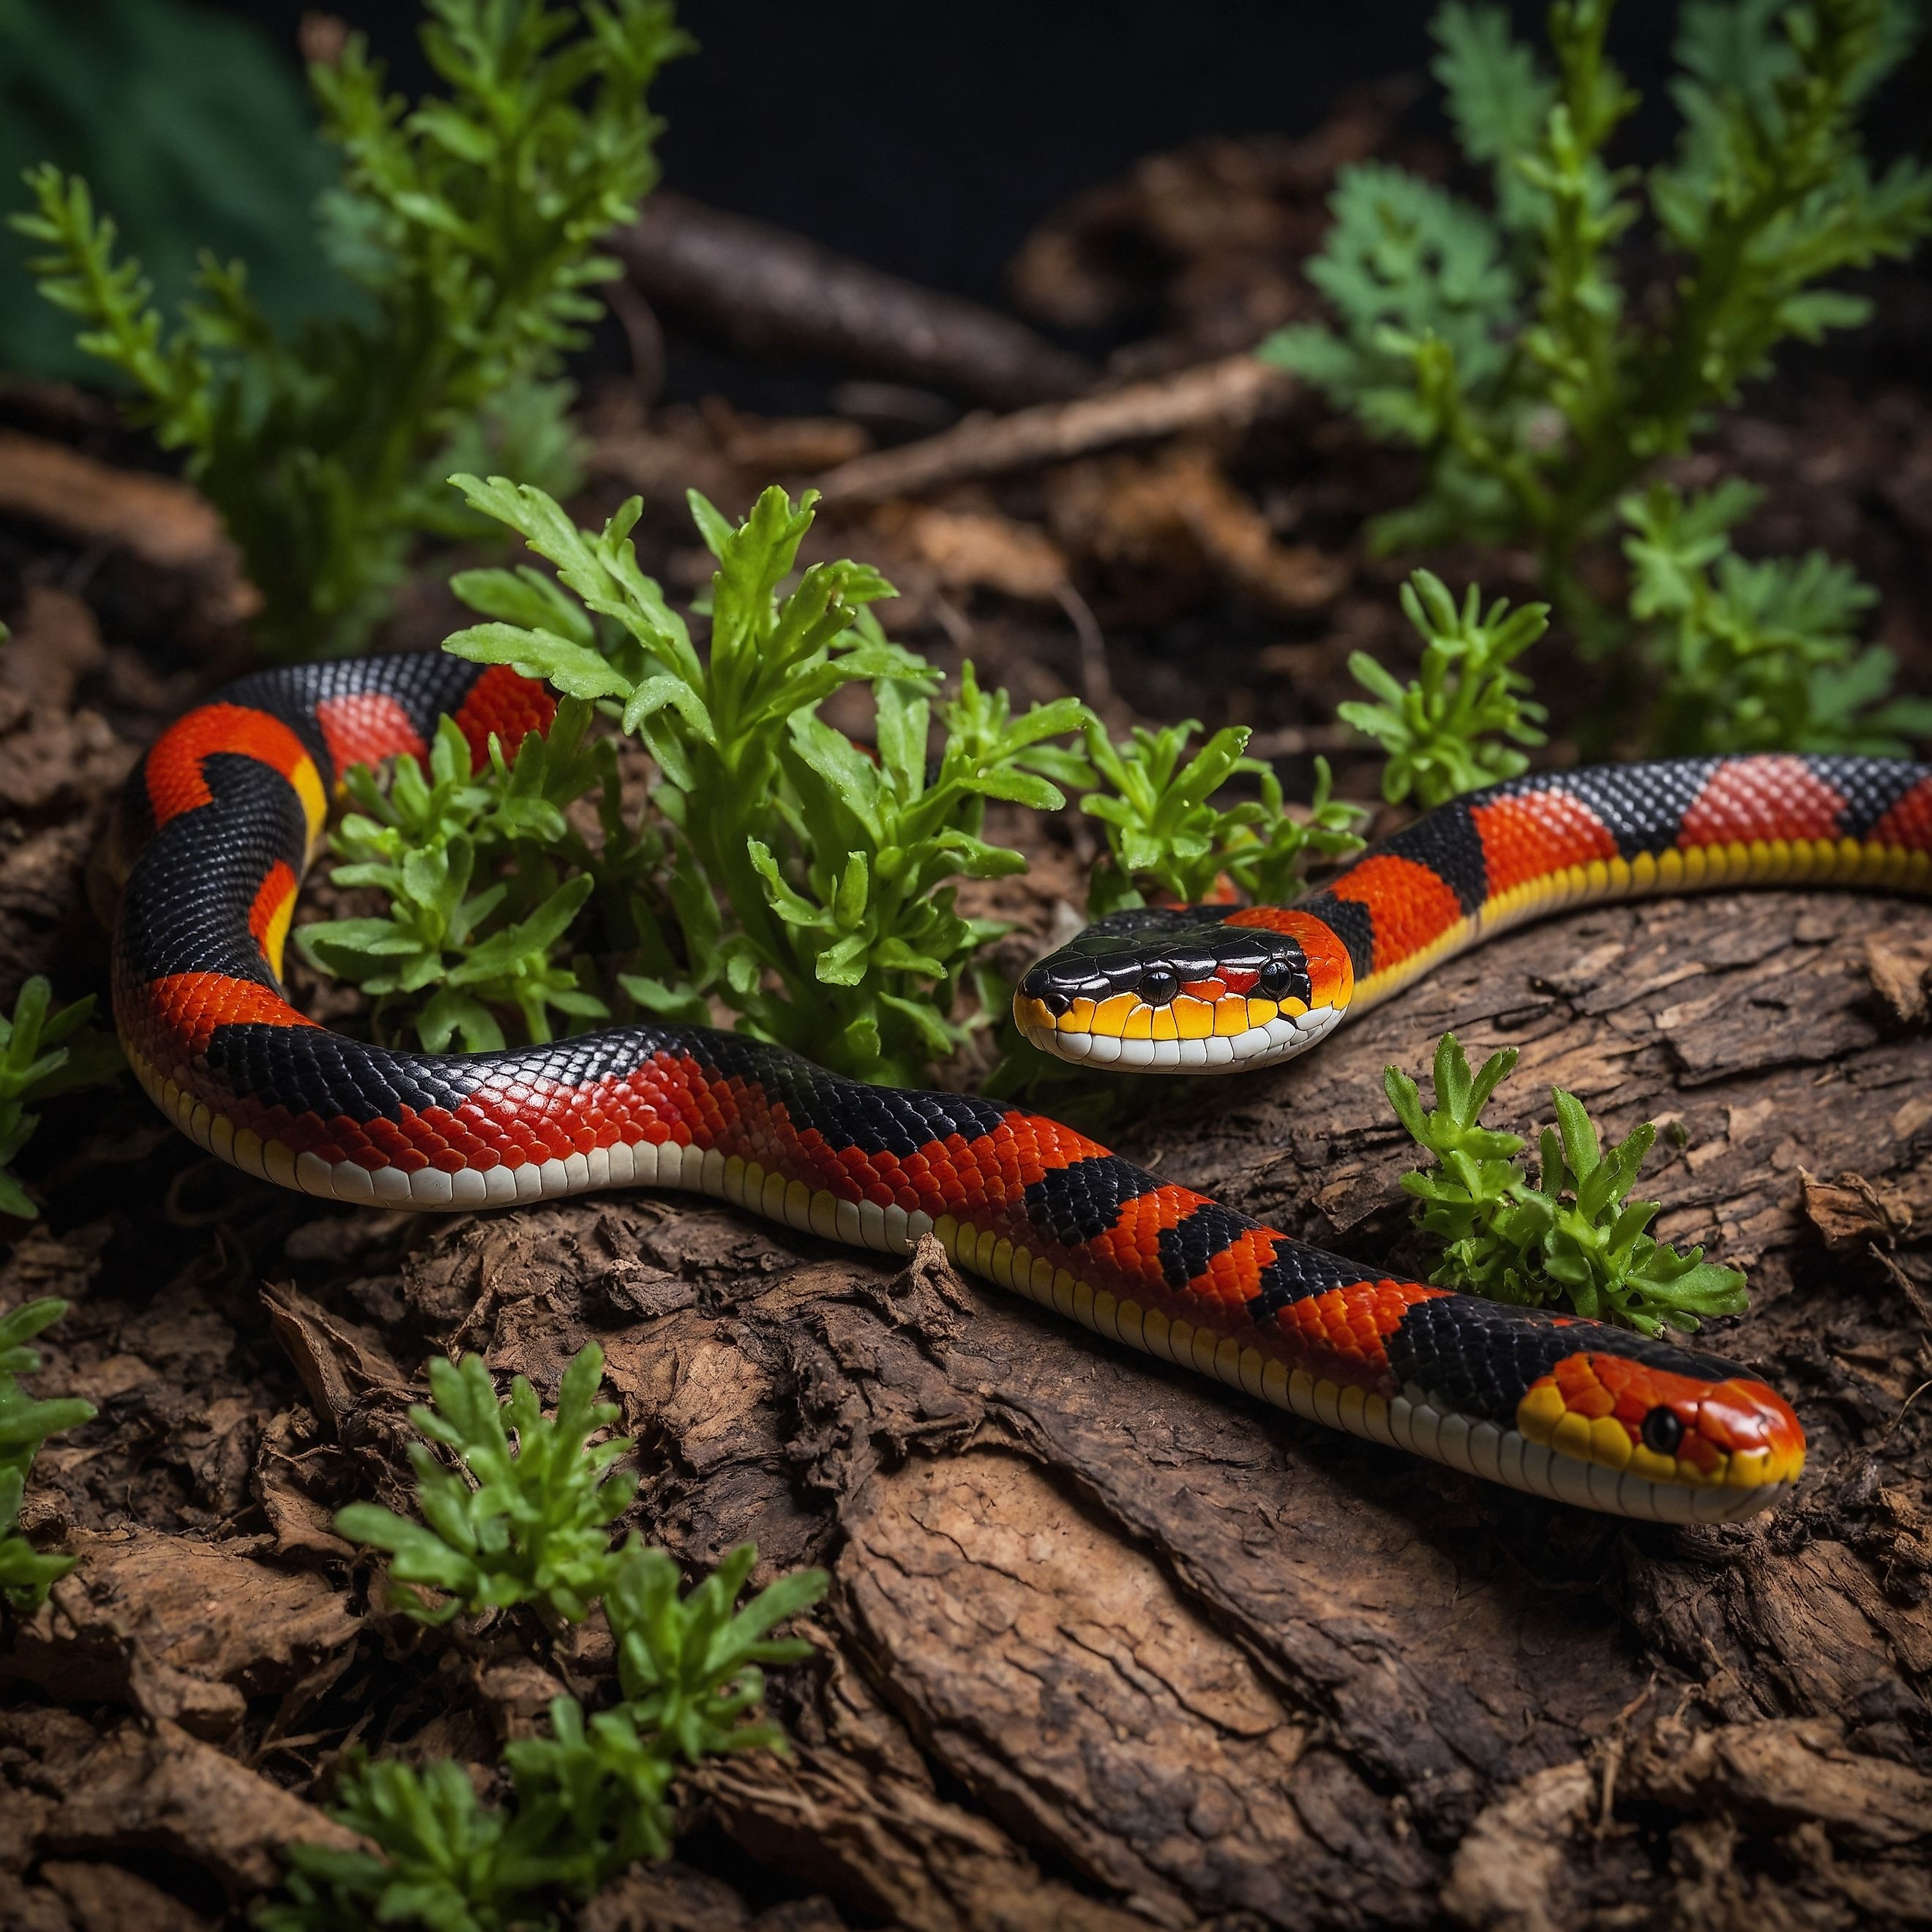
1108	1644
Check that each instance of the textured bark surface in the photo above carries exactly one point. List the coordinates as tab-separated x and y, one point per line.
1108	1643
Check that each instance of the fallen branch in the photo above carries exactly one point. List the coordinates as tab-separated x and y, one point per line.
771	293
1229	393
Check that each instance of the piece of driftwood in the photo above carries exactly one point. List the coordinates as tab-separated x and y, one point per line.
1229	393
774	294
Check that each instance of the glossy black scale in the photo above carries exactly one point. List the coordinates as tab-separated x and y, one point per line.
1481	1357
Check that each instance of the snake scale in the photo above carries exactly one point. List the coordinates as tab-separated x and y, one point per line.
220	817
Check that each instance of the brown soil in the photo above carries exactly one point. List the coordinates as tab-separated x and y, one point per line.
1106	1646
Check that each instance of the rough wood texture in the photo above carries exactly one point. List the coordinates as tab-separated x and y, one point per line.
1109	1644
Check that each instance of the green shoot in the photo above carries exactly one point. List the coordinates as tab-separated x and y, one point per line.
447	1861
461	944
466	228
25	1575
1504	344
689	1665
1442	733
43	1052
1165	838
588	1800
521	1524
1756	657
811	886
1573	1236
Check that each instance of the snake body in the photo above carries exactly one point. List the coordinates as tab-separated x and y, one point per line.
220	817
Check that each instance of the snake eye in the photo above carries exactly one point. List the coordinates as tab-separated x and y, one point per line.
1158	985
1662	1431
1275	978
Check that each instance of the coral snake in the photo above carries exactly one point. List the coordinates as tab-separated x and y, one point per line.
221	816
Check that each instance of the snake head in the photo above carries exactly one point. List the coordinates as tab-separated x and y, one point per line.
1688	1447
1186	988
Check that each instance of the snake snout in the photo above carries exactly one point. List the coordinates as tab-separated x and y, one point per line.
1234	999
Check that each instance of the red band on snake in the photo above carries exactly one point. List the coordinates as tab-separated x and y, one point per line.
221	816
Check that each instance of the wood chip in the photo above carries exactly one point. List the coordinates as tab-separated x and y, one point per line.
1229	393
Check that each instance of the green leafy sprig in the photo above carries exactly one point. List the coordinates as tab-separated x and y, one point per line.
473	864
43	1052
1572	1237
1503	342
592	1798
467	228
812	887
1755	656
1166	837
521	1522
25	1575
689	1665
1455	725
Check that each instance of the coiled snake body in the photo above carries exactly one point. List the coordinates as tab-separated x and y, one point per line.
222	815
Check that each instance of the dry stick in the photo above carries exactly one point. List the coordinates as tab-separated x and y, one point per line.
771	293
1229	393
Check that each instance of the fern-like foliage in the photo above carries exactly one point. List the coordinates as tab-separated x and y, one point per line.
528	1523
1504	341
812	888
1457	724
43	1052
1572	1236
473	864
1167	838
690	1665
467	226
1755	655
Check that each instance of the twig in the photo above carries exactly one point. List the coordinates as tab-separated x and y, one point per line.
1231	393
771	293
1096	683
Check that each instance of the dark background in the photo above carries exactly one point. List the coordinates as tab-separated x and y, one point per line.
929	138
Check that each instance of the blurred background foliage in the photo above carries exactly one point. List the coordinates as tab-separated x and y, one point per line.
181	118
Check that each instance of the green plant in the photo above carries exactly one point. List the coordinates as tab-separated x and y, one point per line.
1504	343
589	1799
1442	732
511	1524
25	1575
1165	835
466	227
1755	656
1573	1236
471	863
447	1861
689	1665
811	886
43	1053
